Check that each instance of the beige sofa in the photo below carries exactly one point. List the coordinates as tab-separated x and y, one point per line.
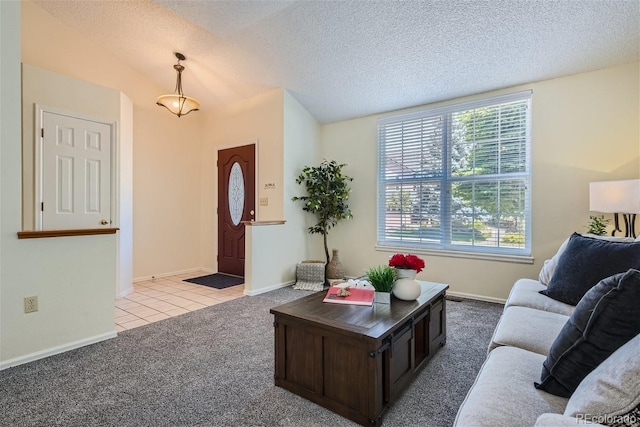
503	393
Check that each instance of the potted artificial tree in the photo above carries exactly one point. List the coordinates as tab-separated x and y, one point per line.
327	194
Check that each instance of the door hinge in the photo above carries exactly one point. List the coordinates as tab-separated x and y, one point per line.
41	206
217	258
42	132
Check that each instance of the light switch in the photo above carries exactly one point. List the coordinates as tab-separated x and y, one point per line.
264	201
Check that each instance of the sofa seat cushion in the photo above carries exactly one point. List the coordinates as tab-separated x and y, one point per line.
525	293
557	420
528	329
503	393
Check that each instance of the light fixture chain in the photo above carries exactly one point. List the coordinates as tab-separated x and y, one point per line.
179	68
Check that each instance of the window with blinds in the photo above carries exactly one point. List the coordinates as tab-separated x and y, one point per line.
457	177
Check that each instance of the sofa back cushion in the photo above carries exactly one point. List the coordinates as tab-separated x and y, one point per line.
605	318
549	265
585	261
612	390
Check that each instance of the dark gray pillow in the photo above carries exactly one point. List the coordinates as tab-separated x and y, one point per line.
607	317
585	262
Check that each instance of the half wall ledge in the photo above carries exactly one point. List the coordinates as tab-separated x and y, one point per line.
65	233
258	223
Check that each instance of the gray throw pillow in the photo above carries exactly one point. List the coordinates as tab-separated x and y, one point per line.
611	391
584	262
606	318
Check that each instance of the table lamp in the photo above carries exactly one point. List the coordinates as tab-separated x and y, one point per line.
617	197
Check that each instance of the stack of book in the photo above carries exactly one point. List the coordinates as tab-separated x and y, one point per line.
357	296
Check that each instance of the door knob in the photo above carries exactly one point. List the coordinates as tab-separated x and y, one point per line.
104	222
251	212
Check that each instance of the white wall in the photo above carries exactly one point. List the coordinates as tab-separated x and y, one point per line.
64	93
276	249
166	192
124	214
287	138
584	128
73	277
257	120
301	148
166	149
53	90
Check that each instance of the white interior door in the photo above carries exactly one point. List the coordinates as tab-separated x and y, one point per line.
76	173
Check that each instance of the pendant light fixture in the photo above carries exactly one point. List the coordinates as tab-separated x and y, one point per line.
177	103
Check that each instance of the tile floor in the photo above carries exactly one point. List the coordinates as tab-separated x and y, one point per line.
159	299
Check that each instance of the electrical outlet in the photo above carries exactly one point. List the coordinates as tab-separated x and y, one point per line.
30	304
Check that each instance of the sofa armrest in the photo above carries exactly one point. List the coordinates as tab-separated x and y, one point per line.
558	420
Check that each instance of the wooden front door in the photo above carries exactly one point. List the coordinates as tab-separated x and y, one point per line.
236	203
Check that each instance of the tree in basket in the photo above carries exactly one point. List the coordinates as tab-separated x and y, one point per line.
327	194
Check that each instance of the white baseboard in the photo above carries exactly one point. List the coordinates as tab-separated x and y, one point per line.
173	273
269	288
469	296
125	293
477	297
453	294
55	350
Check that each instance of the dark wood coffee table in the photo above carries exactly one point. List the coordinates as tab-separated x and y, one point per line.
356	360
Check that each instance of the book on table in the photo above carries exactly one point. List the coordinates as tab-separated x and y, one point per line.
357	296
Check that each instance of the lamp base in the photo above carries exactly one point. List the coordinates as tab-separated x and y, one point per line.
629	225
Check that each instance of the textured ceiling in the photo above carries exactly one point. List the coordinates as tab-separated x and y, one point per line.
346	59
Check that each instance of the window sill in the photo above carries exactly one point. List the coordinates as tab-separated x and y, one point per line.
40	234
517	259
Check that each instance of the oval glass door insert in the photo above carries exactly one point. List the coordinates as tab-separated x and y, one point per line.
236	193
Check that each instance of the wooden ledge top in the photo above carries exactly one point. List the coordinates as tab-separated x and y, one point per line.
39	234
258	223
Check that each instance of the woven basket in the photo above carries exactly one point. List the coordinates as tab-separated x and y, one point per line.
310	276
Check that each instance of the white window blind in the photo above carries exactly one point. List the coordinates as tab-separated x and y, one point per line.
457	177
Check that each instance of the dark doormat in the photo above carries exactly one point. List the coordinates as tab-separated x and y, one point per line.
217	280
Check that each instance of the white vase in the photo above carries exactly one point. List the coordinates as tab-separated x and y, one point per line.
406	287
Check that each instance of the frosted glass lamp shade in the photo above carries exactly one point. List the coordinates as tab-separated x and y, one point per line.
615	196
179	105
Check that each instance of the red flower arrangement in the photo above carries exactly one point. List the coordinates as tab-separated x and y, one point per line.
408	261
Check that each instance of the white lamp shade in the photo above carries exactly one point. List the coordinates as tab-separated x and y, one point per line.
178	105
615	196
